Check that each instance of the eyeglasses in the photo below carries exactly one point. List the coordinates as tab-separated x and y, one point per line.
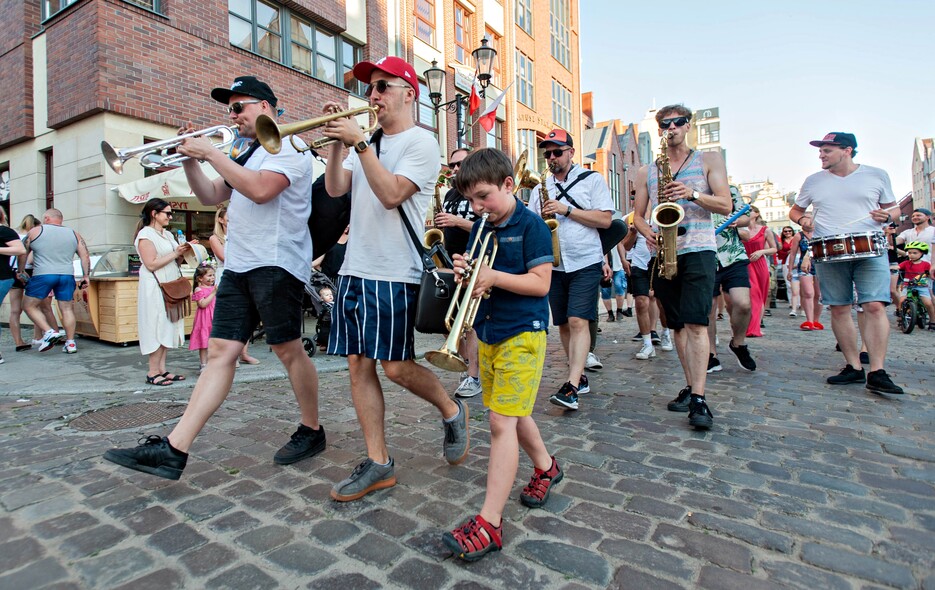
381	86
237	107
454	164
679	122
553	153
168	214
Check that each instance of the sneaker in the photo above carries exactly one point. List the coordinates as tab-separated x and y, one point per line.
879	382
680	403
48	341
865	358
767	313
654	338
627	312
742	353
468	541
847	375
154	455
566	397
304	443
699	415
366	477
665	343
637	337
792	314
469	387
806	326
931	328
70	348
583	386
457	437
647	352
714	365
592	362
536	492
1	359
610	316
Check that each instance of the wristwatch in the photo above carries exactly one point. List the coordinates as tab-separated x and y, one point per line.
694	196
361	146
570	209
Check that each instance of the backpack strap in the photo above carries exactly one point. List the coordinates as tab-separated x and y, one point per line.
563	191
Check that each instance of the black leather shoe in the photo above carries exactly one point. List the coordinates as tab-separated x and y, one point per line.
699	415
847	375
304	443
879	382
680	403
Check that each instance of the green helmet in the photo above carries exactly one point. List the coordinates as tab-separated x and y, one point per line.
917	245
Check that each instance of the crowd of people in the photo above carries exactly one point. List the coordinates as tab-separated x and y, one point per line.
723	251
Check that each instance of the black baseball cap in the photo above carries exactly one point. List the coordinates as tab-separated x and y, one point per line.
838	138
248	86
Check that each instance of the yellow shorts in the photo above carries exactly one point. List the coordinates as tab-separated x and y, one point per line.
510	372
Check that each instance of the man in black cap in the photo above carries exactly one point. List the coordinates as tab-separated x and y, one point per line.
267	263
850	198
921	231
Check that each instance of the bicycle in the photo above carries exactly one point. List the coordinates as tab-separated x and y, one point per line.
912	311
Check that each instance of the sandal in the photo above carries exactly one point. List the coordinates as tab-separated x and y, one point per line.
23	347
468	541
249	360
158	380
172	377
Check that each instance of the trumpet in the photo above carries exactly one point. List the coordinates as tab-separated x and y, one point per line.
526	178
156	154
463	308
270	133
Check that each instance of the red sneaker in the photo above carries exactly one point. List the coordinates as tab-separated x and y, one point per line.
468	541
817	326
536	493
806	326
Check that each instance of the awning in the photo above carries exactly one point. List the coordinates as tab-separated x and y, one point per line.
166	185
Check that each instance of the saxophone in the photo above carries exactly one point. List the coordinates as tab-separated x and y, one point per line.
434	235
550	220
666	216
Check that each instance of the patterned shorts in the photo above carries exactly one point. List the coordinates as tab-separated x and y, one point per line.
510	372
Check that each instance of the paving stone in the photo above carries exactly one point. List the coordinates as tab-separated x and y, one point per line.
164	579
804	577
375	549
265	538
302	558
268	501
418	575
853	520
861	566
619	523
718	578
744	532
568	559
554	527
628	578
204	507
651	507
816	530
679	465
93	540
725	506
113	568
704	546
150	520
333	532
642	487
17	553
509	570
35	575
388	522
355	581
897	484
590	493
207	558
241	577
773	500
833	483
29	494
646	557
233	522
177	539
63	525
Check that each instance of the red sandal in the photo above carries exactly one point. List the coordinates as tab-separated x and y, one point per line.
536	493
469	543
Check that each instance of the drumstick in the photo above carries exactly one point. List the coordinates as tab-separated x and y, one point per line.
868	215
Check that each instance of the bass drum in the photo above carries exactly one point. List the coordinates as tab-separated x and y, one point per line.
844	247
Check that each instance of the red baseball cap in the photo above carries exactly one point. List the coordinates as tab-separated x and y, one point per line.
393	66
558	137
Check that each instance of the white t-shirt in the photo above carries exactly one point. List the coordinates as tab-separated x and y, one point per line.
274	233
639	255
839	201
615	263
580	244
927	235
379	247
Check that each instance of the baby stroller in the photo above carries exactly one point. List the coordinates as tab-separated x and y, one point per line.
318	309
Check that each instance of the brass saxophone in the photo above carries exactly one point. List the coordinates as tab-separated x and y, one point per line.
666	216
527	179
434	235
550	220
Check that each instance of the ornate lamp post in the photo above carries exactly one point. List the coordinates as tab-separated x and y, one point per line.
435	79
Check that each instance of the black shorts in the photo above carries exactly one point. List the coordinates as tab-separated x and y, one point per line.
732	277
575	294
268	294
639	281
687	298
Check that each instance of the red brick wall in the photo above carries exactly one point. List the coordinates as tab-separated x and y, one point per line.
20	20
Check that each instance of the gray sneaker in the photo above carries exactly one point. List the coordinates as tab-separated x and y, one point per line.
457	438
366	477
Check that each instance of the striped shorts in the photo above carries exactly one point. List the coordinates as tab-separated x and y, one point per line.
375	319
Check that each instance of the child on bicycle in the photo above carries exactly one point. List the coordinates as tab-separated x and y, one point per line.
915	272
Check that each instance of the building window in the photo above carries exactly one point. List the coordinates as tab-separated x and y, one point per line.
524	79
710	133
495	41
154	5
495	136
257	26
561	106
614	181
561	39
524	15
463	34
426	117
425	21
49	175
53	7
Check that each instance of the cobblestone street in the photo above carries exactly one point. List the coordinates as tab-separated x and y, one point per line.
799	484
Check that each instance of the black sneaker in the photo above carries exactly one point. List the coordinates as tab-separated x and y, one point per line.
654	337
847	375
865	358
567	397
621	314
714	365
680	403
699	415
627	312
743	356
610	316
304	443
879	382
583	386
154	455
637	338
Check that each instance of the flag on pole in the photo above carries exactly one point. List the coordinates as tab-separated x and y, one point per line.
474	103
489	116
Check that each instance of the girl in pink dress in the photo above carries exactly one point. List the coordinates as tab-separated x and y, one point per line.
759	243
203	296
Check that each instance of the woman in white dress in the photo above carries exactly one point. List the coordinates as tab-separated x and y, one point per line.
159	256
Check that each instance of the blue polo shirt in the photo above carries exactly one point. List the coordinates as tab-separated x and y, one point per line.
524	242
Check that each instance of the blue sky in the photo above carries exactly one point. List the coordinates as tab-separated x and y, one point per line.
782	73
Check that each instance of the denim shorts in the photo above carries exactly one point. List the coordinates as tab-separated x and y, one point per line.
39	287
619	286
268	294
870	277
574	294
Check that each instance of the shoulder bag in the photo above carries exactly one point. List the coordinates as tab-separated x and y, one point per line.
177	296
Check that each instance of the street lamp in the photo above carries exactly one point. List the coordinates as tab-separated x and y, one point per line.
435	79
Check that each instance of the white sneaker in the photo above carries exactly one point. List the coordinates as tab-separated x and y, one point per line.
60	334
647	352
593	363
469	387
70	348
666	341
48	341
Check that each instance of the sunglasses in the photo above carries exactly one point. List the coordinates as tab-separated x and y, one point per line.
381	86
553	153
168	214
679	122
454	164
237	107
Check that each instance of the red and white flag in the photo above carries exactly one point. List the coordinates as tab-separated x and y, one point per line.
489	116
474	102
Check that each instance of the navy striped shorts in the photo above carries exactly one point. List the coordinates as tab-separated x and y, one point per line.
375	319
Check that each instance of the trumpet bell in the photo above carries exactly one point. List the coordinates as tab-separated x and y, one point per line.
447	359
112	157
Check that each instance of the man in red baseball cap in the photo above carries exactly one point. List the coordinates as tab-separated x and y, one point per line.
391	180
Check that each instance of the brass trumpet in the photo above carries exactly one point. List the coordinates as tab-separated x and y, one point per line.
270	133
463	309
526	178
155	155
